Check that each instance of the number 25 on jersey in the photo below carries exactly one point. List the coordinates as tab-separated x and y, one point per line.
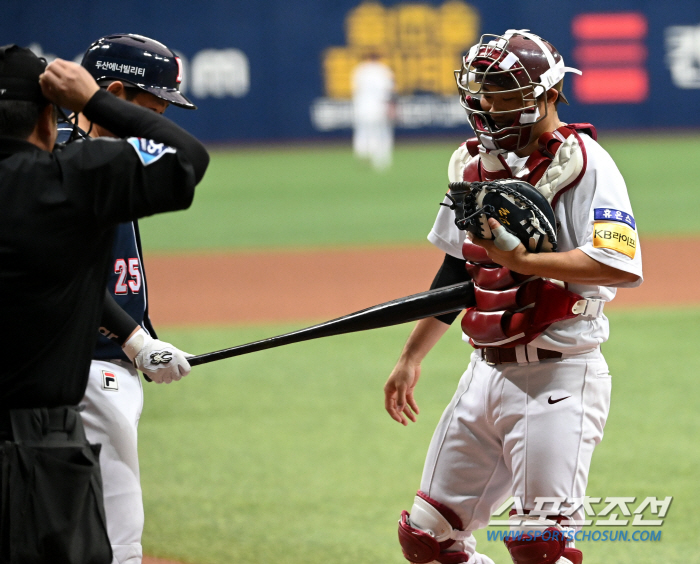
129	276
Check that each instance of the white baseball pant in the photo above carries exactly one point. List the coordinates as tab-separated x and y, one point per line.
113	402
507	431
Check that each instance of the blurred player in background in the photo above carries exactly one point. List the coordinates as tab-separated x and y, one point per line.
532	404
372	94
148	74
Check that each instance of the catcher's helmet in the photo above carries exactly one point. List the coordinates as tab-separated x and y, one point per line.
140	62
519	62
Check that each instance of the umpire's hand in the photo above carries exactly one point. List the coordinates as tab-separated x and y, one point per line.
67	85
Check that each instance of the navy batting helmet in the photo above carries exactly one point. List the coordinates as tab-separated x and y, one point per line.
139	61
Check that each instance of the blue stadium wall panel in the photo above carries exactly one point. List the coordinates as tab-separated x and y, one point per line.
279	70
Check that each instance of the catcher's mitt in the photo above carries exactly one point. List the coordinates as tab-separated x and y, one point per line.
517	205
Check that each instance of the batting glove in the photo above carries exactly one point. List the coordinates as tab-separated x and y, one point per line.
160	361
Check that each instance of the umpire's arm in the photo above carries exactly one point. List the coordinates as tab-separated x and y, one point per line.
69	85
154	171
127	120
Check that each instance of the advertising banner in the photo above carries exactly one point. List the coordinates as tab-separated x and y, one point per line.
274	70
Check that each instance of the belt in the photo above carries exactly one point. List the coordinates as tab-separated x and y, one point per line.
31	424
500	355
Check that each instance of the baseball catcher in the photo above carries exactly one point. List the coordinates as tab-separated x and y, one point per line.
539	219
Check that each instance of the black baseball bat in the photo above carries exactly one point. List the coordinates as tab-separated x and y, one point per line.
402	310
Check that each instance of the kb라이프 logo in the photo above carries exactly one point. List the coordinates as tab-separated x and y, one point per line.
616	236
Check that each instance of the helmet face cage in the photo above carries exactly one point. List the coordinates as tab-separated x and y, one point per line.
492	63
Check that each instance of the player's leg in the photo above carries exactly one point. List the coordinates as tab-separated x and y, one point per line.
563	406
112	408
361	139
382	145
464	479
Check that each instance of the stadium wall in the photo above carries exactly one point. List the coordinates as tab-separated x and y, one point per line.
277	70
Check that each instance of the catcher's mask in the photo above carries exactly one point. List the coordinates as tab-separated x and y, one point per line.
518	63
140	62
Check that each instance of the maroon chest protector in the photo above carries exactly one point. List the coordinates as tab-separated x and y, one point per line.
511	308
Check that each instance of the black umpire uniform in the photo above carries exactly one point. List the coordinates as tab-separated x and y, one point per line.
57	216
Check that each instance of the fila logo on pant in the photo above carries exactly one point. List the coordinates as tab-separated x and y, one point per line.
109	381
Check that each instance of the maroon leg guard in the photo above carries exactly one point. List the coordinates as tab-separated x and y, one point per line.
537	547
418	546
453	558
573	554
421	547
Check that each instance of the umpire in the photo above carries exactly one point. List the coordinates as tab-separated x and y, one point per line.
57	217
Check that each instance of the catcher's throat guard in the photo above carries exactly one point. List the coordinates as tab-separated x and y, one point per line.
515	204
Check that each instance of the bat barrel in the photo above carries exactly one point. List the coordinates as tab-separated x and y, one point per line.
403	310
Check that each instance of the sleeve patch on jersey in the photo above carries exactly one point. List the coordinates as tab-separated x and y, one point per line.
148	150
609	214
615	236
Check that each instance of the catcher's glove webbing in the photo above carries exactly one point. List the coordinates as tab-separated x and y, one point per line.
517	205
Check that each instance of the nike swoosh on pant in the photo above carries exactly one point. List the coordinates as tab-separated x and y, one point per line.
551	401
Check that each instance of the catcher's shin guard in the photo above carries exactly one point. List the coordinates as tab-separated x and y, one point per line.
536	547
428	531
541	545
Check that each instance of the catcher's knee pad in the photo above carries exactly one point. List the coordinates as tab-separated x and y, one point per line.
543	543
428	531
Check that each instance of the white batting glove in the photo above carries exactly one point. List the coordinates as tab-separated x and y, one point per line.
160	361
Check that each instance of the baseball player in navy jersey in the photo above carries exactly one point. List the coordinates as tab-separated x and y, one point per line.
148	74
533	402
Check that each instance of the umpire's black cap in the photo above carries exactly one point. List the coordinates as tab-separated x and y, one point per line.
139	61
19	74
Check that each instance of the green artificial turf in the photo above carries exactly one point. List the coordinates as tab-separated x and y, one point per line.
321	196
308	197
287	455
661	175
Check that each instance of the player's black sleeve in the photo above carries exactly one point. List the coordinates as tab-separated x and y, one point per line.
452	271
126	120
115	323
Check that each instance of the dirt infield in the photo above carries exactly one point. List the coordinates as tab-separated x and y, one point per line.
293	285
